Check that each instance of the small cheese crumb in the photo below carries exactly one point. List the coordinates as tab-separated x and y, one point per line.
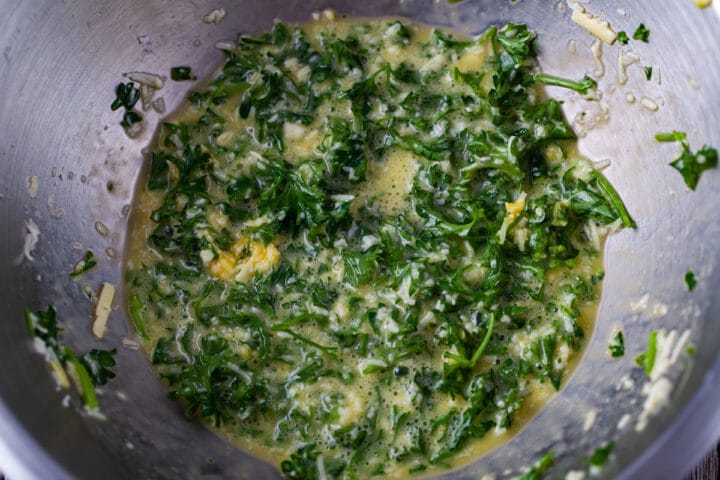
693	83
597	55
658	395
159	105
225	45
649	104
512	211
625	59
33	186
103	308
351	410
596	26
130	344
214	17
624	421
146	96
670	345
589	421
575	475
31	239
149	79
703	3
640	305
571	47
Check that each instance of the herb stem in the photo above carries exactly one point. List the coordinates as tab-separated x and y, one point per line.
85	384
583	86
136	307
483	345
614	197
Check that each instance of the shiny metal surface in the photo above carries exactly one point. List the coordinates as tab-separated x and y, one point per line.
60	62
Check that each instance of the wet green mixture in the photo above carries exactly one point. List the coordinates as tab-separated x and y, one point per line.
369	248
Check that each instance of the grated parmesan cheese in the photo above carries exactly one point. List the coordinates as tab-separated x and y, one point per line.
575	475
33	186
658	388
594	25
214	17
589	420
148	79
649	104
625	59
31	238
597	56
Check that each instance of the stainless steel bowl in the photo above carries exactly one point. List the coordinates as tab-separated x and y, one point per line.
60	62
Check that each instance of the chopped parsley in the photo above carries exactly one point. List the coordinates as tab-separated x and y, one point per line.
674	136
87	371
584	86
366	208
641	33
691	165
600	456
690	280
537	471
647	358
617	346
126	96
622	37
182	73
84	264
648	72
130	118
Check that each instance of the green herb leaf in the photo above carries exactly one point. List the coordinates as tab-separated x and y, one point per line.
84	264
614	198
648	72
126	96
600	455
136	308
691	165
130	118
647	358
44	326
182	73
690	280
623	37
91	369
641	33
517	40
675	136
302	464
227	389
539	468
98	364
84	382
617	346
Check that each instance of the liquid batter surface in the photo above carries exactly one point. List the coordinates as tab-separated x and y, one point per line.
369	247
